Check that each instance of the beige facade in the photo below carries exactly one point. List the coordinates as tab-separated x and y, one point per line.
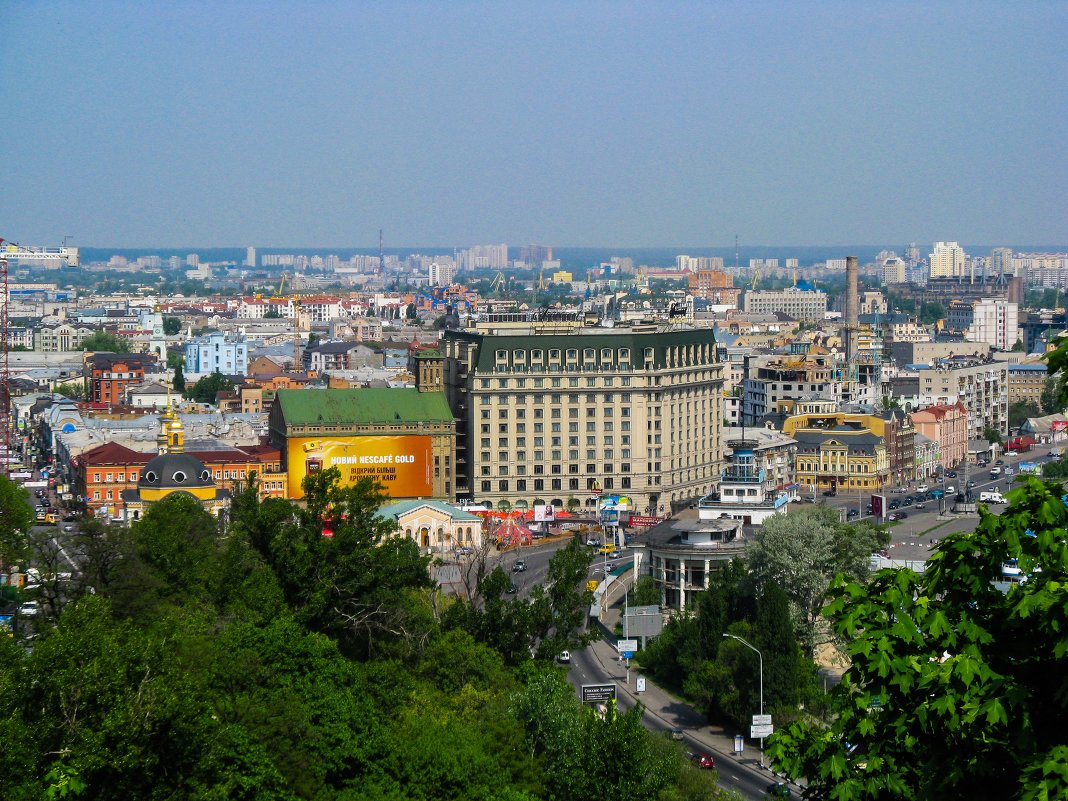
981	386
947	425
555	414
63	337
801	304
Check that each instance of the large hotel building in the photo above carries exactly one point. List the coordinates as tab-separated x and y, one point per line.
550	412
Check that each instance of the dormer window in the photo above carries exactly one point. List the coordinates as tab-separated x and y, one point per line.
179	477
150	476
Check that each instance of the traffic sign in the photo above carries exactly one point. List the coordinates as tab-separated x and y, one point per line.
639	683
627	645
598	693
761	720
739	743
761	731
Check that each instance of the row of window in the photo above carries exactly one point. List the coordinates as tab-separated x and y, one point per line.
538	484
121	477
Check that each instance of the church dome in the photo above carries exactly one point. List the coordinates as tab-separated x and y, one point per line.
175	471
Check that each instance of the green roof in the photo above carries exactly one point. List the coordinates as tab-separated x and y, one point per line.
398	508
312	407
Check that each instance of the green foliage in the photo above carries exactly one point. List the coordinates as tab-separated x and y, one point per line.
645	592
179	377
104	342
1018	346
1049	401
206	388
992	435
931	312
16	517
1020	411
72	390
956	687
172	326
803	551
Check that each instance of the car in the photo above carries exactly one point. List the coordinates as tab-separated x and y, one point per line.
676	734
895	504
921	505
891	516
922	488
951	490
950	474
615	554
463	550
908	501
564	657
592	542
512	589
852	513
902	515
829	493
777	790
519	566
971	485
703	761
999	462
29	609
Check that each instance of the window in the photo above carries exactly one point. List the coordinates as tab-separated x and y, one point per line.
487	486
502	486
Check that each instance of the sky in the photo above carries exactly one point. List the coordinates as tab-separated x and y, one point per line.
628	124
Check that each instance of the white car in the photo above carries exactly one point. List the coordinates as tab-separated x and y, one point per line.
951	490
922	488
564	658
29	609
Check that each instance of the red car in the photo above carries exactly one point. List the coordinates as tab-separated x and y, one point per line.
702	760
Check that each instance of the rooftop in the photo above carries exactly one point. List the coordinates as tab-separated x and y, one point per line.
310	407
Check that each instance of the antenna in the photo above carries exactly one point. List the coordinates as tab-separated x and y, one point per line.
381	253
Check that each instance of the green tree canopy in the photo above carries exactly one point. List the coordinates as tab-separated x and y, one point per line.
171	326
1020	411
803	551
16	517
104	342
992	435
72	390
956	685
206	387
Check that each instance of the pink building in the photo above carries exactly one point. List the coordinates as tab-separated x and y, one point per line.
948	426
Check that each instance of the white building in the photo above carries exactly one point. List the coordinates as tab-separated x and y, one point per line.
800	304
441	273
995	322
947	260
692	264
225	353
250	257
893	271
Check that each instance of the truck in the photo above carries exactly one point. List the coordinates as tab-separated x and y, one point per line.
991	497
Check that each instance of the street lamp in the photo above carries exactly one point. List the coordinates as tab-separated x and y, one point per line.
760	656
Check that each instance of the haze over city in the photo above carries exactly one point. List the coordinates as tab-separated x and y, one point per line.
606	124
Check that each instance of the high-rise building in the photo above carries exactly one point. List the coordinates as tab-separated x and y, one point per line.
691	264
947	260
492	257
534	255
548	414
1001	261
441	271
250	257
893	271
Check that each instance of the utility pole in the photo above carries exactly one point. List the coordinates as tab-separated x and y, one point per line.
760	656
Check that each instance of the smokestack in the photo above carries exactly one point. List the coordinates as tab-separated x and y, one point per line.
852	309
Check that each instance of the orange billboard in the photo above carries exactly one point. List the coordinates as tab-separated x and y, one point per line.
402	465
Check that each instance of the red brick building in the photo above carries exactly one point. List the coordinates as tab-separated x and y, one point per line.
107	375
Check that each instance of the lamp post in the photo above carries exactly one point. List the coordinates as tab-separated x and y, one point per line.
760	656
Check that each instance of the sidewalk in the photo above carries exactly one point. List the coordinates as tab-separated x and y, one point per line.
672	711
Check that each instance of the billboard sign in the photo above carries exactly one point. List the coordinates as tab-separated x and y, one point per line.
544	513
1056	425
878	505
641	521
598	693
403	465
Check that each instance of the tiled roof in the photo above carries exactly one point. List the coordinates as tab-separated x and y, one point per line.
304	407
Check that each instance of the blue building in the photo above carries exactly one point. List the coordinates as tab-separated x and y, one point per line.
227	353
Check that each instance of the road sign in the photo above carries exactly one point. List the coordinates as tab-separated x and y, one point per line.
627	645
598	693
761	731
761	720
639	684
739	743
627	654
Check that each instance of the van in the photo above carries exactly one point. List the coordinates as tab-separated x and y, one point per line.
995	472
51	518
991	497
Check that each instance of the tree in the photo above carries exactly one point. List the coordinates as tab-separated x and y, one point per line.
645	592
207	387
1049	401
803	552
179	378
955	688
171	326
1018	346
104	342
16	517
410	312
992	435
890	402
931	312
71	390
1020	411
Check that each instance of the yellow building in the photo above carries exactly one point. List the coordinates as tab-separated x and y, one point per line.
840	452
173	470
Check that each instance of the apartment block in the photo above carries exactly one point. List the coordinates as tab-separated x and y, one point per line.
806	305
981	386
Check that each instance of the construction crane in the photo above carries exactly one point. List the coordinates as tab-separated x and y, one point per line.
498	282
70	256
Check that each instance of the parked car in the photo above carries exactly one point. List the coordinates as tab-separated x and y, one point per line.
829	493
704	761
999	462
777	790
512	589
676	734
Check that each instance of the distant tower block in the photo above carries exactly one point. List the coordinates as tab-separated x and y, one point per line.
250	257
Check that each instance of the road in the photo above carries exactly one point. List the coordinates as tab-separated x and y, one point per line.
586	668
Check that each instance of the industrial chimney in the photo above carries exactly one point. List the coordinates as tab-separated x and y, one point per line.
852	309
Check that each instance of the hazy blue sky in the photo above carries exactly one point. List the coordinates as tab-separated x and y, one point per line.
450	123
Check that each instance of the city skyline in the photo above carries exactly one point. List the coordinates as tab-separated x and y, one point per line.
606	125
